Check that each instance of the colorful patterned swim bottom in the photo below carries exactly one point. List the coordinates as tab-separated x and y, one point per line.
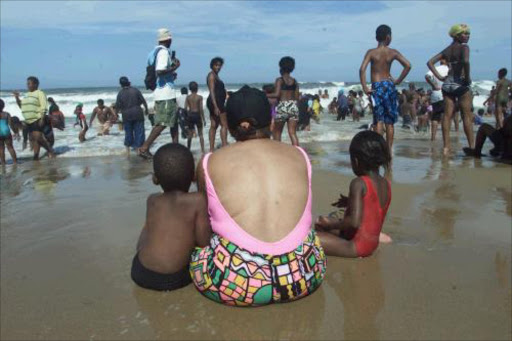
287	110
231	275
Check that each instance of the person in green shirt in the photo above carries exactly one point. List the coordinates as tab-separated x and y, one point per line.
33	108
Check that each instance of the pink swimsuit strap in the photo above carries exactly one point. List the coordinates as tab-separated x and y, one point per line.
225	226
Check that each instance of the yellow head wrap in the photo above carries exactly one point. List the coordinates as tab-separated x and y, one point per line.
458	29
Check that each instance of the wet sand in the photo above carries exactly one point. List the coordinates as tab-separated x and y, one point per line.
69	228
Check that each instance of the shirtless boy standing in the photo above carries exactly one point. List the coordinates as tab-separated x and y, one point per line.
106	117
195	115
383	93
176	222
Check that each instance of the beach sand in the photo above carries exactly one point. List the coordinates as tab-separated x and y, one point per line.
69	229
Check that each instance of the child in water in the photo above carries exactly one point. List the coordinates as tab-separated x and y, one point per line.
176	222
359	232
82	121
5	135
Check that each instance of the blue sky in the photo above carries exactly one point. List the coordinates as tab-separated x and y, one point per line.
88	43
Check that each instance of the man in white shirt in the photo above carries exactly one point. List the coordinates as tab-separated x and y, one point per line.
166	110
436	98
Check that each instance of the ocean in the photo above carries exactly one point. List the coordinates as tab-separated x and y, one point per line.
327	131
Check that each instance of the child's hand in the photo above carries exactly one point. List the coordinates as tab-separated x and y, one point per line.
342	202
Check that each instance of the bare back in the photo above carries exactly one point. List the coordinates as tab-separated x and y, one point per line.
263	185
175	223
381	59
287	81
194	102
454	55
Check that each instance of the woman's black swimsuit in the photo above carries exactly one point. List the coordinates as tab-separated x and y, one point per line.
220	97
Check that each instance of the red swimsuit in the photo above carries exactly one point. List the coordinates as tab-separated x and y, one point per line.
366	239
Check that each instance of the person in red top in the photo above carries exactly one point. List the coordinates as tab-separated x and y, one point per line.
359	232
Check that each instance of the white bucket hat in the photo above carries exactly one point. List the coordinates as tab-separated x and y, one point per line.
164	34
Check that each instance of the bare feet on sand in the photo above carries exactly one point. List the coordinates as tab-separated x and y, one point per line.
384	238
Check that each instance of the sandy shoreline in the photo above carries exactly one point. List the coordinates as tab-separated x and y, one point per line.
68	233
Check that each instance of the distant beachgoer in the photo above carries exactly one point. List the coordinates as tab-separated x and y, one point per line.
489	102
81	121
384	94
5	135
264	229
406	111
129	102
182	114
414	109
287	92
501	138
57	119
304	112
359	232
342	106
216	102
33	108
270	89
106	118
195	115
358	107
326	94
165	98
332	107
363	105
317	108
457	85
176	222
503	86
436	97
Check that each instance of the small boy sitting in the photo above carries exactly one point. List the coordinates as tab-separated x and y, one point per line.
176	222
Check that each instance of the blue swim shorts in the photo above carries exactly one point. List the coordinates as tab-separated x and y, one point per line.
385	102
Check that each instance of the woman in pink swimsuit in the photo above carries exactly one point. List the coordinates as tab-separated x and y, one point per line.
263	249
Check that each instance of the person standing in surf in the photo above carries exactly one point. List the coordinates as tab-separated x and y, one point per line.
436	98
166	109
287	110
33	108
457	84
383	92
216	103
502	93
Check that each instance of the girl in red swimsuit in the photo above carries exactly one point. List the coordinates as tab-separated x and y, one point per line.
359	232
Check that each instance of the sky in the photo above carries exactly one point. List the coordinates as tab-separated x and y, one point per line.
89	43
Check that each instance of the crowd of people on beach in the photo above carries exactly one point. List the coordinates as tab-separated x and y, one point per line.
262	245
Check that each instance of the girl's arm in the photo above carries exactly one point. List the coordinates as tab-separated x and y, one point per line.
431	63
354	213
277	89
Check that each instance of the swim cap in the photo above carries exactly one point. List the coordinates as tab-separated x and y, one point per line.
248	104
80	104
458	29
340	92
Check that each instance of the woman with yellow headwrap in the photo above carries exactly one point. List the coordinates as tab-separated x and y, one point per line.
457	85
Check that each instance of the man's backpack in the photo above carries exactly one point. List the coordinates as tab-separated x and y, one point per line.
150	80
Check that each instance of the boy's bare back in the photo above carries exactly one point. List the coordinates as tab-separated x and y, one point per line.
194	102
381	59
176	222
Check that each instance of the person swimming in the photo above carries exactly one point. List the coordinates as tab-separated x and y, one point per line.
359	232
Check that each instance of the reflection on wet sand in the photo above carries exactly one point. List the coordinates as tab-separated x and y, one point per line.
361	291
186	315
